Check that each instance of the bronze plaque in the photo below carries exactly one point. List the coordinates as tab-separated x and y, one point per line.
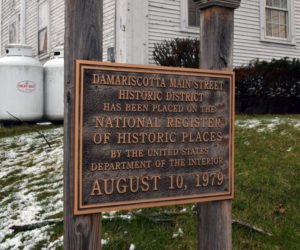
151	136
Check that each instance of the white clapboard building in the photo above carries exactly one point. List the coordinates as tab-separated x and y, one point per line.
264	29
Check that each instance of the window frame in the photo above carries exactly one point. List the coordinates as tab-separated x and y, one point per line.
291	39
46	53
12	20
184	16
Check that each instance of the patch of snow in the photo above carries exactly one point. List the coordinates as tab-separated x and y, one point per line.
266	124
104	241
125	216
132	247
56	243
43	123
250	123
179	233
112	213
37	170
272	126
297	124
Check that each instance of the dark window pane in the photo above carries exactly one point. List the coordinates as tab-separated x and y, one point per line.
283	31
276	3
269	3
268	15
284	4
275	16
12	30
283	17
269	29
43	41
275	30
193	14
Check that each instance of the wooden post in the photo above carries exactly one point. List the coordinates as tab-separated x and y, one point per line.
216	38
83	40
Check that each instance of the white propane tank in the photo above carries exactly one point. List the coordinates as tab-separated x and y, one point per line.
21	81
54	86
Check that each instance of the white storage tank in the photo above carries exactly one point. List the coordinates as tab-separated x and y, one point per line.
54	86
21	81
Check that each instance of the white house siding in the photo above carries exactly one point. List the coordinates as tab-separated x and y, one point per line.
108	26
57	23
164	23
31	25
132	31
247	36
10	10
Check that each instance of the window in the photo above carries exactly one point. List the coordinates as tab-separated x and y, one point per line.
277	21
43	27
190	16
193	14
13	31
277	18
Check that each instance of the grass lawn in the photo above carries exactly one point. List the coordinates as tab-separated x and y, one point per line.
18	129
267	193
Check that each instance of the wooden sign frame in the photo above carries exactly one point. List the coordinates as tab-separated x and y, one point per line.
79	205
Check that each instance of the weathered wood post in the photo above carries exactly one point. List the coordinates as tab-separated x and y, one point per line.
216	38
83	40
